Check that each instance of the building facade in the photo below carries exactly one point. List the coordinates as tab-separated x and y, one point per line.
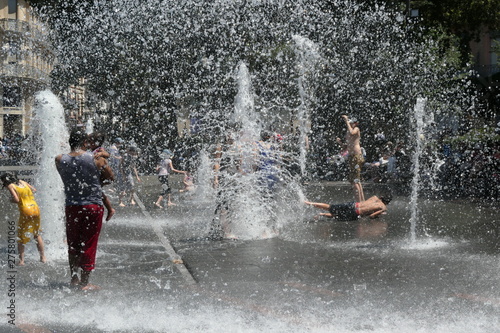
26	60
484	52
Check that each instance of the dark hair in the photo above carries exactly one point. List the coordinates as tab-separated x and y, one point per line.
386	198
97	137
76	138
9	178
265	135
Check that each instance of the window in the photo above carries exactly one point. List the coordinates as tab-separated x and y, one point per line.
12	6
11	96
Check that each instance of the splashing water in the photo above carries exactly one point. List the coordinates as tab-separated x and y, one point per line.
89	127
250	214
49	124
307	58
415	184
156	52
262	187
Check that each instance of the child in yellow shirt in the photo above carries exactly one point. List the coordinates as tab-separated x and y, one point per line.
29	214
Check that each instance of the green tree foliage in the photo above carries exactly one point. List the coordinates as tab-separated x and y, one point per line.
460	20
461	17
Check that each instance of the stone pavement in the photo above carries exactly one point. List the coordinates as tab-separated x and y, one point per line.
338	277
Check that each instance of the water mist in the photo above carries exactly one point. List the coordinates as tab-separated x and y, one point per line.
49	124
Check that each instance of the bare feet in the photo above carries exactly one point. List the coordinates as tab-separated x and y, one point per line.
43	259
75	281
121	204
132	203
158	205
111	212
90	287
21	263
171	204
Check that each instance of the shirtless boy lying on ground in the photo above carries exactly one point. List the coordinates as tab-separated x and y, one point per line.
351	211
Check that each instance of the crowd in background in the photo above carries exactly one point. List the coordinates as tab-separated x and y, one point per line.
461	169
453	170
11	149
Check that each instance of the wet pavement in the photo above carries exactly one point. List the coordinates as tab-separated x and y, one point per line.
315	276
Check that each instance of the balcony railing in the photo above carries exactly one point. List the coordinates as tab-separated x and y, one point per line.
25	28
12	110
14	25
24	71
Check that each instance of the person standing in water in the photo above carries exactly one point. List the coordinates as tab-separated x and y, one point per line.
29	214
227	167
114	161
267	164
128	169
164	169
94	144
355	156
82	174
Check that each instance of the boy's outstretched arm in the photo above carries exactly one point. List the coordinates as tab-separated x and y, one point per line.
319	205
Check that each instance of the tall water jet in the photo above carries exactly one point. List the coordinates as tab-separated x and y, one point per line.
263	192
89	127
245	118
307	57
415	184
251	218
244	106
50	129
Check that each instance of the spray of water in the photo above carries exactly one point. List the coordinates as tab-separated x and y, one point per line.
415	185
50	129
249	216
307	57
89	128
258	196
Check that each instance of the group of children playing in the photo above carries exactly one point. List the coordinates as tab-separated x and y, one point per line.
29	213
22	194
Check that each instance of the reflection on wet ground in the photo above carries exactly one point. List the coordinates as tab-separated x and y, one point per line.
316	276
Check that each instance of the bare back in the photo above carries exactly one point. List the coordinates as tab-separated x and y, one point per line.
353	138
372	207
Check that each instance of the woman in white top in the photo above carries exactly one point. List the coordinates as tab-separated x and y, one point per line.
164	169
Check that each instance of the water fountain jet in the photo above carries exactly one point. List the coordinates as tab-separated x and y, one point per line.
49	129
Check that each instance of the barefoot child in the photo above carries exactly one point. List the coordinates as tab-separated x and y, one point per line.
188	183
165	168
29	214
94	143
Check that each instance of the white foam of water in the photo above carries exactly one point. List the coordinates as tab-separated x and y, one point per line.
89	128
113	313
50	121
308	56
425	244
415	185
421	244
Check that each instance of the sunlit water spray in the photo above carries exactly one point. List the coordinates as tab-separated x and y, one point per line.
203	190
415	184
307	58
50	128
249	214
261	189
89	127
371	55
